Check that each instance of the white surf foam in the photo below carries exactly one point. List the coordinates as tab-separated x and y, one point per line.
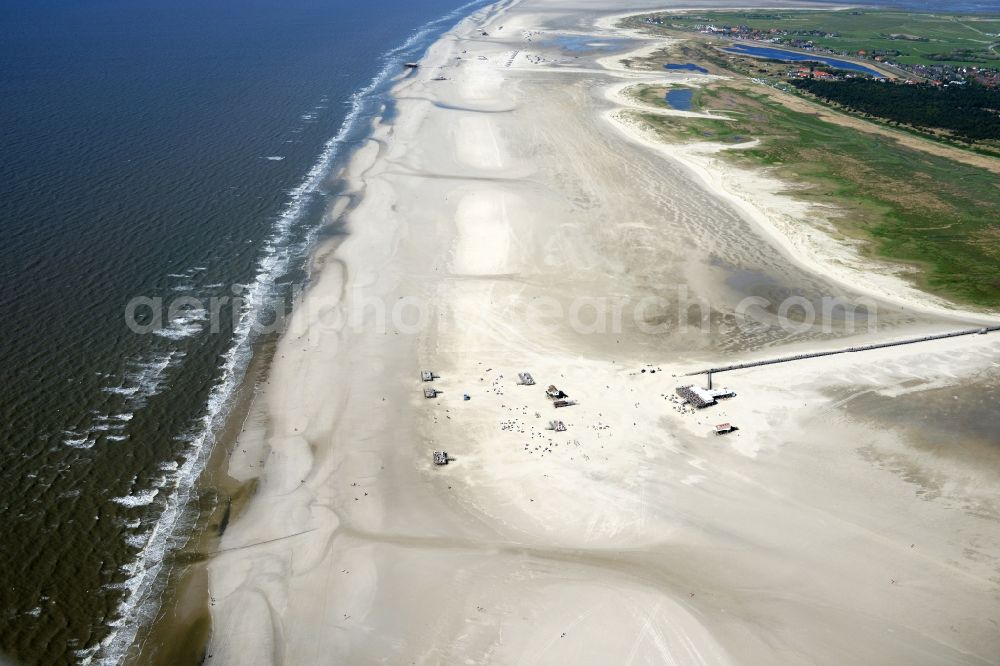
143	498
145	378
185	325
136	540
77	440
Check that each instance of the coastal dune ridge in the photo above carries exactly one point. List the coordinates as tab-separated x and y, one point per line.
509	174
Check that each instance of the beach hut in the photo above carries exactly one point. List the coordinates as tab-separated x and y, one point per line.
701	398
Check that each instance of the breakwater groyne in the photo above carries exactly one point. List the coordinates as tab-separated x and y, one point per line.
847	350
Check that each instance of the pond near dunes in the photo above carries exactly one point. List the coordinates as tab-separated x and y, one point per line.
686	67
795	56
680	98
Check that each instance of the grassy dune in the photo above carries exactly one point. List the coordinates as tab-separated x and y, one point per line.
912	207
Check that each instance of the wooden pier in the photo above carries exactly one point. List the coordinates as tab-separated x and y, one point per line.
708	372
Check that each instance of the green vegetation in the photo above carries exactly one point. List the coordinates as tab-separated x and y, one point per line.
928	211
926	39
968	113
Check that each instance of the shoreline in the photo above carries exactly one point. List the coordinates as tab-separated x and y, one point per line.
181	629
502	184
354	178
183	605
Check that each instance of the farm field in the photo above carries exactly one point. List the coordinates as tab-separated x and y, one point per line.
925	39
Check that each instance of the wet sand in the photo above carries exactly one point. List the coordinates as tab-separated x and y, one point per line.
508	223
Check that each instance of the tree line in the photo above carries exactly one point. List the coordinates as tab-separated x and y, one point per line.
970	112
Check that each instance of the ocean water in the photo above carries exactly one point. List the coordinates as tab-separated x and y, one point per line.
172	151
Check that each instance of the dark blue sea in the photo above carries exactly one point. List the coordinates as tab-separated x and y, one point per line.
168	151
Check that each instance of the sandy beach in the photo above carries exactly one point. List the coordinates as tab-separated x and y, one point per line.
511	219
